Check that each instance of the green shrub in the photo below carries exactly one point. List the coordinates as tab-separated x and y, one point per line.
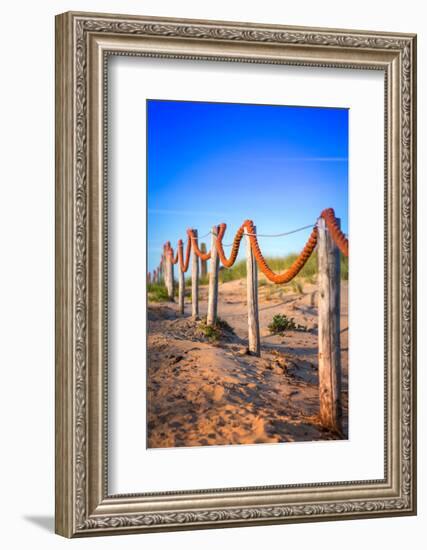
214	332
280	323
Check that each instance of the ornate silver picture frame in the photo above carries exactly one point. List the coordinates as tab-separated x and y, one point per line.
84	505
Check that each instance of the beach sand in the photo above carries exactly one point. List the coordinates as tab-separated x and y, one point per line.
213	393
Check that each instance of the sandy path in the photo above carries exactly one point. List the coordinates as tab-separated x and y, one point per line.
202	393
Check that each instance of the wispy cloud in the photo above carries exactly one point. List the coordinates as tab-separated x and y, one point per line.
166	212
282	160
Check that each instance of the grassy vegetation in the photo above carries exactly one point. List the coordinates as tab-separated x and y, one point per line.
214	332
202	280
157	293
308	272
238	271
344	268
297	285
280	323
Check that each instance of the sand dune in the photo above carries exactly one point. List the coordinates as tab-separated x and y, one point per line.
204	393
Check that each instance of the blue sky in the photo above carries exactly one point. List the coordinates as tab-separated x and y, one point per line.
221	162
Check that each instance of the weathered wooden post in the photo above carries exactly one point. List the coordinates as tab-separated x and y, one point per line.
172	277
203	263
329	281
163	266
160	271
254	345
194	278
168	267
213	280
181	280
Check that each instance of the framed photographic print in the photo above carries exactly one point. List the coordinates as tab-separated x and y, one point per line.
235	274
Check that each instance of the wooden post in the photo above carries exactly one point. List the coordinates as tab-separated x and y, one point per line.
160	271
254	345
149	277
172	280
213	280
329	279
195	280
203	263
181	283
169	279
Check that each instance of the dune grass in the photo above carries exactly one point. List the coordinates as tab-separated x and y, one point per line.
308	272
157	293
202	280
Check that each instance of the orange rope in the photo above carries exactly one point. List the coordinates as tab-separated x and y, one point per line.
279	278
174	259
199	253
340	239
234	249
184	265
169	252
295	268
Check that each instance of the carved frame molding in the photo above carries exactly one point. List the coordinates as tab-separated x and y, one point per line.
83	43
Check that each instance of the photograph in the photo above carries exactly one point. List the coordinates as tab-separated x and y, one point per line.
247	273
222	358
